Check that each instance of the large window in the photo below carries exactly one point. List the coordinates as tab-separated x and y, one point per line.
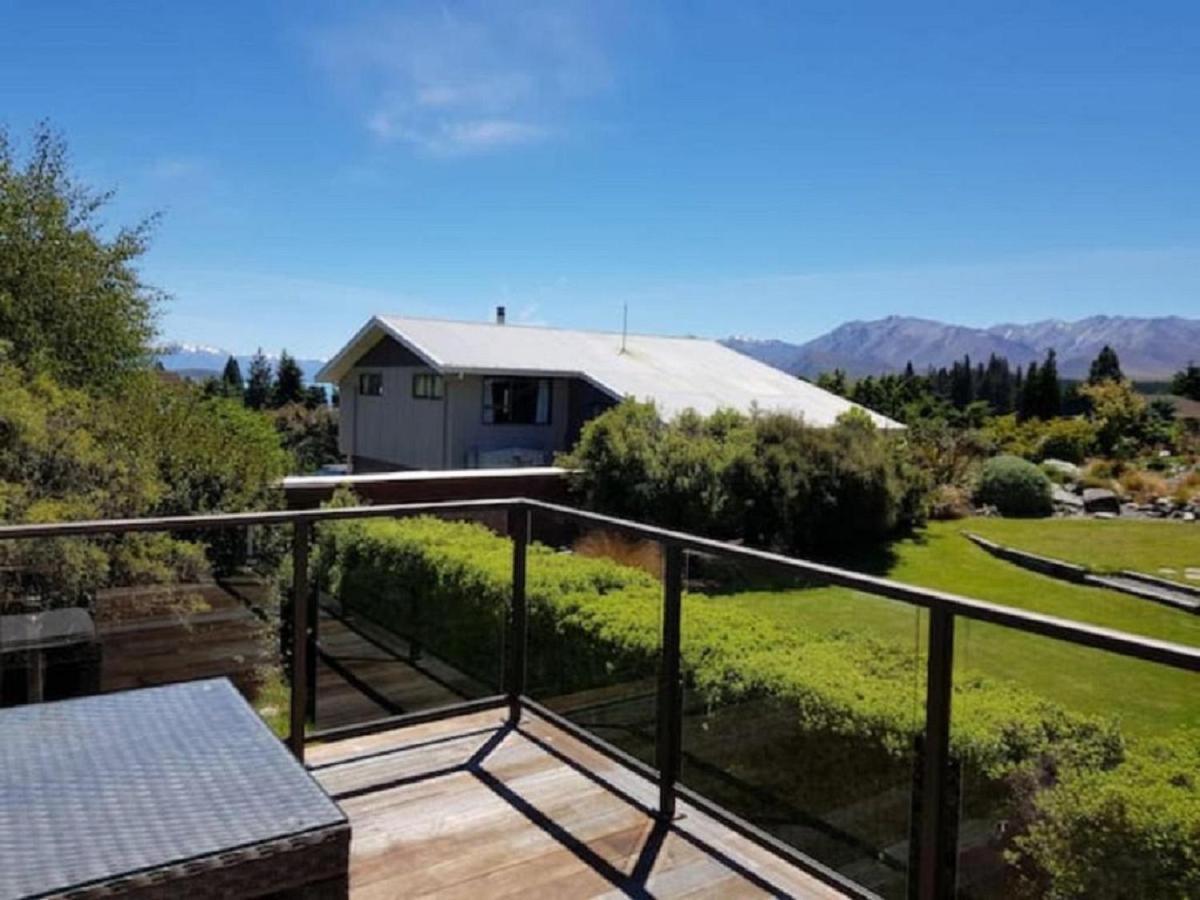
516	401
370	384
427	386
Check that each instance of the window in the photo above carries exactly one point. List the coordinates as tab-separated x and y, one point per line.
427	386
516	401
370	384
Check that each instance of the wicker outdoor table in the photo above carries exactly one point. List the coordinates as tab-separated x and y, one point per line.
177	791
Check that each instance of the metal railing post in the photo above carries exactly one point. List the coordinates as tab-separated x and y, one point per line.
518	622
669	747
301	638
937	841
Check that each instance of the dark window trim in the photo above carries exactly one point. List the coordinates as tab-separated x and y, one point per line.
438	382
362	376
484	406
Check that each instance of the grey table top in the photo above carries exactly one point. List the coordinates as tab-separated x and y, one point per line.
100	787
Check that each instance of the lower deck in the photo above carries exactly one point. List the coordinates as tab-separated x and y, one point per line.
475	806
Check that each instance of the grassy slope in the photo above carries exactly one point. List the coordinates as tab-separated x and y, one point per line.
1148	698
1104	546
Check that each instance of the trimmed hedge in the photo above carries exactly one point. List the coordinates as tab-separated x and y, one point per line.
595	623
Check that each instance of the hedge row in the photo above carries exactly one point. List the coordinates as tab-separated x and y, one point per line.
593	622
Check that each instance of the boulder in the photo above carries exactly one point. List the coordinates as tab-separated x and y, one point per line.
1065	499
1099	500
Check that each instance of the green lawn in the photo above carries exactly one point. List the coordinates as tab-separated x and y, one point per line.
1162	548
1148	698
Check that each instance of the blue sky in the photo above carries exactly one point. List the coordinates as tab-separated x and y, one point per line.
769	169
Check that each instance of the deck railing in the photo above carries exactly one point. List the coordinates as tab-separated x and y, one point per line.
932	874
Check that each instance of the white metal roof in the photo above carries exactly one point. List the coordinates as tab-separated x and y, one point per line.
675	373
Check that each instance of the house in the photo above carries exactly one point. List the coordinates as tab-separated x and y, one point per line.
434	394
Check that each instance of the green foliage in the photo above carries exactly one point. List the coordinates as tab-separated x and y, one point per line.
260	384
289	381
71	302
1105	367
1130	831
1070	439
769	479
231	379
1186	383
309	433
149	447
1014	486
1119	414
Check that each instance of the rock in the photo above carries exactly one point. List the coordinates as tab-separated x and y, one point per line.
1068	470
1105	515
1066	499
1098	500
1189	516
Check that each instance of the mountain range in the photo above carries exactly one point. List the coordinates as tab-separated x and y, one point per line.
1150	349
198	361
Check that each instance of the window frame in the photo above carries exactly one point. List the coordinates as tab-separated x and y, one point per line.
433	378
364	379
536	381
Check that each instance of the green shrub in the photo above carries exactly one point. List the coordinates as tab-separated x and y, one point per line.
1129	831
1072	440
1016	487
768	479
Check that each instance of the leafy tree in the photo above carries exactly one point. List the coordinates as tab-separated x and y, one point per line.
71	302
231	379
260	385
1186	383
1119	414
289	381
315	397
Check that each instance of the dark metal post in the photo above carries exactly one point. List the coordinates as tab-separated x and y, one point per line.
314	636
300	638
518	531
937	839
669	748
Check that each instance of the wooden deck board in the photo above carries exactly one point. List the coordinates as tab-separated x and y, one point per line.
471	807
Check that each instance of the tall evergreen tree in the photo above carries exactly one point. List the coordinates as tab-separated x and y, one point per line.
260	383
289	381
232	383
1105	367
1050	394
1027	402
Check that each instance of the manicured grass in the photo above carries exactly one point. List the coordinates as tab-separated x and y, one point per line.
1162	548
1148	698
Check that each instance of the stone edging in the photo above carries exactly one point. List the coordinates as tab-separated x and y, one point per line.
1146	587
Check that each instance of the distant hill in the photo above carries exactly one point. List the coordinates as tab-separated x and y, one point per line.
197	362
1150	349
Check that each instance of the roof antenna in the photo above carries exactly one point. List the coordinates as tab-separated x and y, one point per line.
624	324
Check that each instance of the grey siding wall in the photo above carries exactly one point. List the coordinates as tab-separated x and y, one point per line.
393	428
469	436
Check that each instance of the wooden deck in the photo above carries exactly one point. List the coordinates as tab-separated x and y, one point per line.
473	807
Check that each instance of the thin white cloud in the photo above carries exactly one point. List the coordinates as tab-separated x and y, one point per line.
472	77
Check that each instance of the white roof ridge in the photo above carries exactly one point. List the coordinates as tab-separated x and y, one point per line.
559	328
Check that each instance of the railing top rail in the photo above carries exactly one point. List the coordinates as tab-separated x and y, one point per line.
96	527
1171	654
1150	649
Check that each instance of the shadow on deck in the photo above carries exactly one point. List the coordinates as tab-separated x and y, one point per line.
475	806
